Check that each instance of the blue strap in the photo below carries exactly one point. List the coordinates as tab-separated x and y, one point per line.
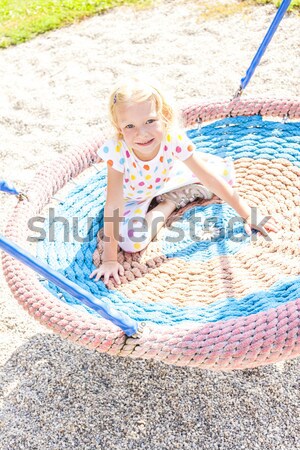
8	188
273	27
128	325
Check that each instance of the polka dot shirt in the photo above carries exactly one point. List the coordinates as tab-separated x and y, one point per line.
143	179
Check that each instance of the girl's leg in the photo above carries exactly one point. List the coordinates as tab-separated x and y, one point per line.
141	225
157	217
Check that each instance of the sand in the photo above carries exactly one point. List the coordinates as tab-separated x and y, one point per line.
55	395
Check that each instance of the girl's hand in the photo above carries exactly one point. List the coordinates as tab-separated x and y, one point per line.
261	223
107	269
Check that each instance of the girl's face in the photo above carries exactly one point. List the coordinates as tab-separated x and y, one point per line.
142	128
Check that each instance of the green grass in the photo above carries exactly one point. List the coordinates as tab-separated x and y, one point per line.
294	6
216	10
21	20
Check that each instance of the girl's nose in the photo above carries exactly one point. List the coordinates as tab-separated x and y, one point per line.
141	131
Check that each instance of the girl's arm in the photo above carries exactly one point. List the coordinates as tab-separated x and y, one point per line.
223	190
113	214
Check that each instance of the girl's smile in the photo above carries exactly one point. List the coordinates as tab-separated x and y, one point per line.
142	128
146	143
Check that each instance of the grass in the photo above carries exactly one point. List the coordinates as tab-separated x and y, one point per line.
21	20
295	4
216	10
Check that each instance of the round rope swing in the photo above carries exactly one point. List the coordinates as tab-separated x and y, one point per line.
214	298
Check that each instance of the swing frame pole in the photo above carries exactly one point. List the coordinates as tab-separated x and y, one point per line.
131	327
263	46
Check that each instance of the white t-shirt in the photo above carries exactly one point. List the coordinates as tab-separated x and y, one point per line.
145	179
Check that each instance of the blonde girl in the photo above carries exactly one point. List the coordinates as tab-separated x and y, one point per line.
150	158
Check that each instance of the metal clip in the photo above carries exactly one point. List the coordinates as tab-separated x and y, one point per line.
199	122
22	196
285	118
238	93
141	327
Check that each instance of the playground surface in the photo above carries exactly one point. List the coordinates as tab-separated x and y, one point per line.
53	96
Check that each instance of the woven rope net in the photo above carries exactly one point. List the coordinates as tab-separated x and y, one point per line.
218	301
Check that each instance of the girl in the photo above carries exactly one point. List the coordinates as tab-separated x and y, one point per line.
149	159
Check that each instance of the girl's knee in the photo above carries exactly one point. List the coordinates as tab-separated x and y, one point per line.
129	246
134	239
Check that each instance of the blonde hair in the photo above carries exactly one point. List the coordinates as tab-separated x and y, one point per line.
136	90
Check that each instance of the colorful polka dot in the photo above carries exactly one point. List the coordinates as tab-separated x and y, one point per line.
110	162
105	149
130	233
138	174
137	245
226	172
118	147
138	211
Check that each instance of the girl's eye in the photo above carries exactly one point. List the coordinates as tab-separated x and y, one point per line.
150	121
129	125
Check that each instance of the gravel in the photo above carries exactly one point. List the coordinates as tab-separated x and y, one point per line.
55	395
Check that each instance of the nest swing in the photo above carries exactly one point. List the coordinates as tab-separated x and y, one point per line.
218	299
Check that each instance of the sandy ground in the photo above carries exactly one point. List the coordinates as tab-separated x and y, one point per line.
53	95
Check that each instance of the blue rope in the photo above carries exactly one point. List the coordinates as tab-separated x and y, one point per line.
270	33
